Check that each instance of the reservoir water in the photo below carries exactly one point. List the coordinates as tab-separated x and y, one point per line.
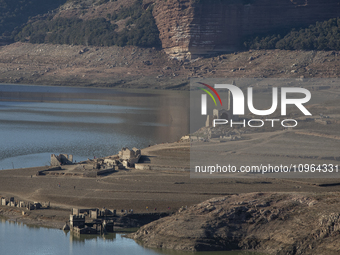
17	238
36	121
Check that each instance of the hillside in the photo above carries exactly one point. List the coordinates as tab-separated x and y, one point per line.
134	67
274	223
321	36
183	28
190	28
80	42
128	22
96	22
13	14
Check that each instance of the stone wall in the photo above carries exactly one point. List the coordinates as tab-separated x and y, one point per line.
61	159
129	157
23	204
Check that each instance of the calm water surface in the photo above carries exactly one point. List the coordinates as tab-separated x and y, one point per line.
17	238
36	121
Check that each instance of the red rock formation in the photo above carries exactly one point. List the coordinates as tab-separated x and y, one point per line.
188	27
174	19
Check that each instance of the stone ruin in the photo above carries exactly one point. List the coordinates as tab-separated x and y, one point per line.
103	166
23	204
94	213
223	113
100	166
62	159
129	157
103	220
126	158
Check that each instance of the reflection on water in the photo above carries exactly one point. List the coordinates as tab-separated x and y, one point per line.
17	238
74	237
36	121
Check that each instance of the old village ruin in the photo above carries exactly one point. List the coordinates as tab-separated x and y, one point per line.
63	164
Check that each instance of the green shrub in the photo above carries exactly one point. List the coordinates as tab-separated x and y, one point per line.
321	36
224	1
141	30
15	13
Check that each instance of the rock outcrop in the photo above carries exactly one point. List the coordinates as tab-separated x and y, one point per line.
191	27
274	223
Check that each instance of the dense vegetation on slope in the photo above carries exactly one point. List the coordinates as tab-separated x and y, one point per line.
321	36
225	1
14	13
140	29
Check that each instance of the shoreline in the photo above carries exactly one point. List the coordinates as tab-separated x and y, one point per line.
179	191
53	217
156	190
56	218
36	219
273	223
157	187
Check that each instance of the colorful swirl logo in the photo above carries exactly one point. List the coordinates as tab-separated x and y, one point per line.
209	93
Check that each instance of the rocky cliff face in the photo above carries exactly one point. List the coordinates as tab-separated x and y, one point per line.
199	27
174	19
278	223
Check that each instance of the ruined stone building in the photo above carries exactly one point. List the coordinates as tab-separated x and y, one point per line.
222	113
129	157
62	159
